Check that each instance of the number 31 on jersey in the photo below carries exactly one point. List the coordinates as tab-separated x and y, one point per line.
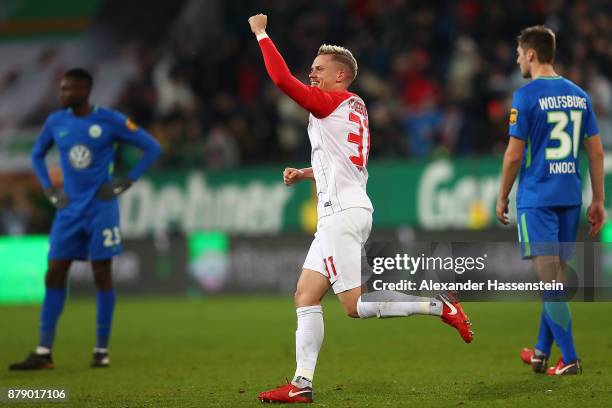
362	159
567	144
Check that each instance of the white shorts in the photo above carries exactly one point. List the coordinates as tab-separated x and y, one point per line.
337	248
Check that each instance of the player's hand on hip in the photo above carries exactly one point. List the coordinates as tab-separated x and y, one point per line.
596	214
57	197
501	210
258	23
112	189
291	175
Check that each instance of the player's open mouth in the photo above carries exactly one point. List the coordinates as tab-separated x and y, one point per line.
314	83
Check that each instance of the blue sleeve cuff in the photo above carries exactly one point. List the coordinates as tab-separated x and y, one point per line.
516	135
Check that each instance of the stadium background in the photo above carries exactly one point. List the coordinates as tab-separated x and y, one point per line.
212	222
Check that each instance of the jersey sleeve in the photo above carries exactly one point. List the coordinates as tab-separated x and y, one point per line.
320	103
44	142
128	132
519	118
590	125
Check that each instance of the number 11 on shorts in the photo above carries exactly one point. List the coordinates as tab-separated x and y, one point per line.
333	267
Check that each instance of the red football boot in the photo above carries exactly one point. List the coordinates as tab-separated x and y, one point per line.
538	363
561	368
453	314
287	393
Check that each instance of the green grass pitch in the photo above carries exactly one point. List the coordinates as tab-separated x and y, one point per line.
221	351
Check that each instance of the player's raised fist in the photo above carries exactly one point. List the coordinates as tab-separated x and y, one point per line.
291	175
258	23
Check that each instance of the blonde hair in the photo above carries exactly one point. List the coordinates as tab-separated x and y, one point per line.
341	55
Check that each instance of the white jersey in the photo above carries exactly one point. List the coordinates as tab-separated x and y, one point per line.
340	146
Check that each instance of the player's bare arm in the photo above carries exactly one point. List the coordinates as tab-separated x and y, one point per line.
510	168
596	212
292	175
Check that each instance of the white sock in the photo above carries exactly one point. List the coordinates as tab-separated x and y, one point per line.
42	350
396	304
308	340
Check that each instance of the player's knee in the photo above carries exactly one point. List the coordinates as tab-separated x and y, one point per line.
303	298
55	279
104	286
102	274
299	298
103	281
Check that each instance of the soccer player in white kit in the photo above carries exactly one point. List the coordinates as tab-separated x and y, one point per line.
340	140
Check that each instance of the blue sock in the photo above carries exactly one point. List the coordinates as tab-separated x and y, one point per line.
49	315
545	335
559	320
105	301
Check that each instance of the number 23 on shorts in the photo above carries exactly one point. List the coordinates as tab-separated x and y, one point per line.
112	236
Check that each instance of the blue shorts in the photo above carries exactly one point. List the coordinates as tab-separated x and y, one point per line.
548	231
94	235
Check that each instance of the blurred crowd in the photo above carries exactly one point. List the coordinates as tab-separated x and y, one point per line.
437	77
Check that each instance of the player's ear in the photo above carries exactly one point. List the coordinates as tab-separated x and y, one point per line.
530	55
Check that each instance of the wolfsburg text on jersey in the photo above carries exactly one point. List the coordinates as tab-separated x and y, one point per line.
562	101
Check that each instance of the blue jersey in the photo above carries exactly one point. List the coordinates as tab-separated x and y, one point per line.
87	151
552	115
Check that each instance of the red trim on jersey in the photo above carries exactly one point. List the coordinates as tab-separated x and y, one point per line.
318	102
